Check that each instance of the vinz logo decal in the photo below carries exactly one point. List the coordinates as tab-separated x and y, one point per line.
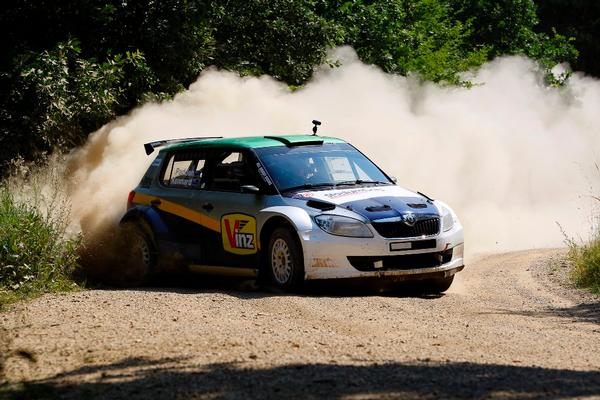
239	234
237	239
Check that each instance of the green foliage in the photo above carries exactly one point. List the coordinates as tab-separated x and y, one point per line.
88	61
403	36
174	36
36	255
585	259
61	97
579	19
508	27
282	38
505	26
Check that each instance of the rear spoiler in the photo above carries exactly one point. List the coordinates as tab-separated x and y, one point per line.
149	147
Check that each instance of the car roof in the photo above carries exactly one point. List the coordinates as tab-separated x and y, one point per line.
253	142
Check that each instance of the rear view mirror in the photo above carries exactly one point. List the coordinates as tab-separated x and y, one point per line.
250	189
394	179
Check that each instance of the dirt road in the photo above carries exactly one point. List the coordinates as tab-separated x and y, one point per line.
504	330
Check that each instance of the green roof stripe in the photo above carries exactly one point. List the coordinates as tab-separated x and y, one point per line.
254	142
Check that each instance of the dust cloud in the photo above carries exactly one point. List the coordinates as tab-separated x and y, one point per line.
511	156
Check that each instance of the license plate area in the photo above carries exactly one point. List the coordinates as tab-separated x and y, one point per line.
413	245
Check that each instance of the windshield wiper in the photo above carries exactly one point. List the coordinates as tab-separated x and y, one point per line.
308	186
360	182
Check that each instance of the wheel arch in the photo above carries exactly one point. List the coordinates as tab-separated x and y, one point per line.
294	218
150	217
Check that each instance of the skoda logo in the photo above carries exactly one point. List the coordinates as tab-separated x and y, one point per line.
409	219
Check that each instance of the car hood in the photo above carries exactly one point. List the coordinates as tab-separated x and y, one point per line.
375	202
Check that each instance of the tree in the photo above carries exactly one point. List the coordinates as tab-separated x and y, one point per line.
404	36
56	97
507	27
283	38
579	19
87	61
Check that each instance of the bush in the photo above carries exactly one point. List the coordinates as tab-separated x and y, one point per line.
585	259
57	97
36	253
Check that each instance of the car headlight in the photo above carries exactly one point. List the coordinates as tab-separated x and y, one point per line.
447	220
343	226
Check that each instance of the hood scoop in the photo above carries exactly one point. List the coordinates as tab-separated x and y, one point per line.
417	205
320	205
379	208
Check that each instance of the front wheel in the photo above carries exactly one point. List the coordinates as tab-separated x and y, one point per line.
285	260
436	286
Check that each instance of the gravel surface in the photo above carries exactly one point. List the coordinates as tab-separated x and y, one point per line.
506	329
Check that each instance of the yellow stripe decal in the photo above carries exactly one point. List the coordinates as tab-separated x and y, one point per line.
180	211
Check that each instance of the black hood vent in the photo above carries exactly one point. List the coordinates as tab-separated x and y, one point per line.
383	207
321	205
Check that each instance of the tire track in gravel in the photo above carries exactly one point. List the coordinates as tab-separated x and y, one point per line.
499	332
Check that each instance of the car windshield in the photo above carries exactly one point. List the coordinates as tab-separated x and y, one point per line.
319	167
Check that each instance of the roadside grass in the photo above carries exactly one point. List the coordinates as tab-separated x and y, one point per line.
585	256
37	253
585	260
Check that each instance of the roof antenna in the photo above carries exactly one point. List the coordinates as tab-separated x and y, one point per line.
317	123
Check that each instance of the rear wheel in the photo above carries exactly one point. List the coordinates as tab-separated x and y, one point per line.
285	260
139	253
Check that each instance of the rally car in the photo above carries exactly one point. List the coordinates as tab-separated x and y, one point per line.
289	208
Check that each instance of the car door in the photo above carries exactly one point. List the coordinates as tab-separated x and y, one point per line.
232	174
183	192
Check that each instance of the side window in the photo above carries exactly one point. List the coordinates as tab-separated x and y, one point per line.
231	172
184	170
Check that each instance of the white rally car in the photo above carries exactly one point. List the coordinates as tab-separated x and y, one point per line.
292	208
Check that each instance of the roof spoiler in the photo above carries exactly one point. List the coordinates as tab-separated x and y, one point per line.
294	143
149	147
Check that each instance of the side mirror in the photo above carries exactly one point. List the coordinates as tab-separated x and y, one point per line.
394	179
249	189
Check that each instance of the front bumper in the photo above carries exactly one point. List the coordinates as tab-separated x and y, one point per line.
329	257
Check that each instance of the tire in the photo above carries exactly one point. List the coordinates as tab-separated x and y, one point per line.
436	286
138	253
285	260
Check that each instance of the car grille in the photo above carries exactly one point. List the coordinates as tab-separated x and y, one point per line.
423	227
403	262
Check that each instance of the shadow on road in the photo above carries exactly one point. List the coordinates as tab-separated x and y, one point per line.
250	289
584	312
166	379
587	312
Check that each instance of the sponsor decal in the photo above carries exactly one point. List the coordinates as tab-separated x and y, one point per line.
239	234
351	192
338	194
304	195
263	174
187	178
